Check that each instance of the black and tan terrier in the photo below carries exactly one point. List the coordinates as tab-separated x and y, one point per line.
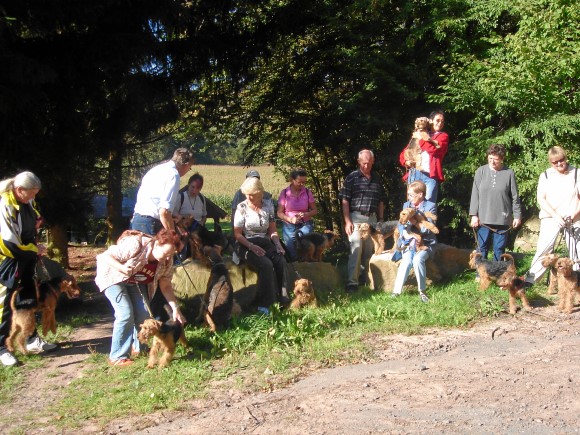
165	335
568	284
491	271
378	233
23	322
218	304
412	153
549	262
516	286
311	246
47	294
304	295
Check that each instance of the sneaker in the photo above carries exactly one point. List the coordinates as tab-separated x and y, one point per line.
264	310
351	288
38	345
122	362
7	359
395	295
424	297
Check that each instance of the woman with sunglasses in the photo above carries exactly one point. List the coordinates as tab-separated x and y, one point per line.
559	200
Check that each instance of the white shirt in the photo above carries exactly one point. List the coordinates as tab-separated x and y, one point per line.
560	191
192	206
159	189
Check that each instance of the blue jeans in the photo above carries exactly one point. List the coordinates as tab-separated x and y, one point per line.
485	236
145	224
430	183
130	312
288	234
417	261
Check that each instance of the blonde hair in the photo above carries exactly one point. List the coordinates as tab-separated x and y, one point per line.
556	151
252	186
418	187
26	180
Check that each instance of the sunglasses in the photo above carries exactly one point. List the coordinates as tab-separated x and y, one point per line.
557	162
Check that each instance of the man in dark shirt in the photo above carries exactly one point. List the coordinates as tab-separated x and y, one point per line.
363	199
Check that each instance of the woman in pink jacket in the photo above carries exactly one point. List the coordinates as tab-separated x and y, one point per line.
136	259
433	151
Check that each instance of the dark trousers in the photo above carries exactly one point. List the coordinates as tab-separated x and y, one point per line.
271	269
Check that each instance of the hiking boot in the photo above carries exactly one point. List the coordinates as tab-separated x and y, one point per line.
7	359
38	345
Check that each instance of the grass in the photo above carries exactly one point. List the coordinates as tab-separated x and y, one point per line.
262	352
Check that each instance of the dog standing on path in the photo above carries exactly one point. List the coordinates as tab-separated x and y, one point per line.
165	335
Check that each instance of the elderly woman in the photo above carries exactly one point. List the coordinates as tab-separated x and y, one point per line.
407	242
495	203
19	221
257	243
296	207
137	258
559	199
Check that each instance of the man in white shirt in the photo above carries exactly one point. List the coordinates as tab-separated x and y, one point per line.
159	192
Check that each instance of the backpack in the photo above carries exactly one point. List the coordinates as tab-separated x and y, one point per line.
182	198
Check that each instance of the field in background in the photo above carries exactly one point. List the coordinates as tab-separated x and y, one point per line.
226	180
220	182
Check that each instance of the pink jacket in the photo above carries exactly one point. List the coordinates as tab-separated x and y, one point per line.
133	251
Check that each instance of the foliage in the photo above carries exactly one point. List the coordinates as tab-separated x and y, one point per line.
513	75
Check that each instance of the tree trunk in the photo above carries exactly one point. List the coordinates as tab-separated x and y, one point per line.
58	240
115	197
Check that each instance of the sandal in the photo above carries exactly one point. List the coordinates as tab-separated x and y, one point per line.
120	362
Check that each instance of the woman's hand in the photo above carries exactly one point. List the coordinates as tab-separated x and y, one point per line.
256	250
475	222
178	316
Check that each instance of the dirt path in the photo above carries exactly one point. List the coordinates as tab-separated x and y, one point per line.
523	380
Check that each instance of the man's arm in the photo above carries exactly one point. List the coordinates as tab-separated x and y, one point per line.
348	226
166	219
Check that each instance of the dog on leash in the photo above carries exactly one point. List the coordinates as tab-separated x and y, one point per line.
311	246
549	261
516	286
165	335
218	304
491	271
47	294
304	295
412	153
23	322
568	284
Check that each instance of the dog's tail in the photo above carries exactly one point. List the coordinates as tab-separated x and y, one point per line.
25	304
507	257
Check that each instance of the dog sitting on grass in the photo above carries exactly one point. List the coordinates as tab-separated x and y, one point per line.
490	271
23	322
304	295
165	335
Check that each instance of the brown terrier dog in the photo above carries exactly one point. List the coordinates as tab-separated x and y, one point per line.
489	271
567	284
420	218
412	153
47	294
165	337
23	322
549	261
378	234
517	289
311	246
304	295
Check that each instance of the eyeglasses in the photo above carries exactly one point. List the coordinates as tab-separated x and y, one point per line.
557	162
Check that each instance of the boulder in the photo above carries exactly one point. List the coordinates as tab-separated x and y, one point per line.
527	237
445	263
190	279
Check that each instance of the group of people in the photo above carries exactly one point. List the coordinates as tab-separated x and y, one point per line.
135	273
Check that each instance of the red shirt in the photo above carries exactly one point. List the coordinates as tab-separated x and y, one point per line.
435	155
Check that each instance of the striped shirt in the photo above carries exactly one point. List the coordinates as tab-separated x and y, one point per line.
363	194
